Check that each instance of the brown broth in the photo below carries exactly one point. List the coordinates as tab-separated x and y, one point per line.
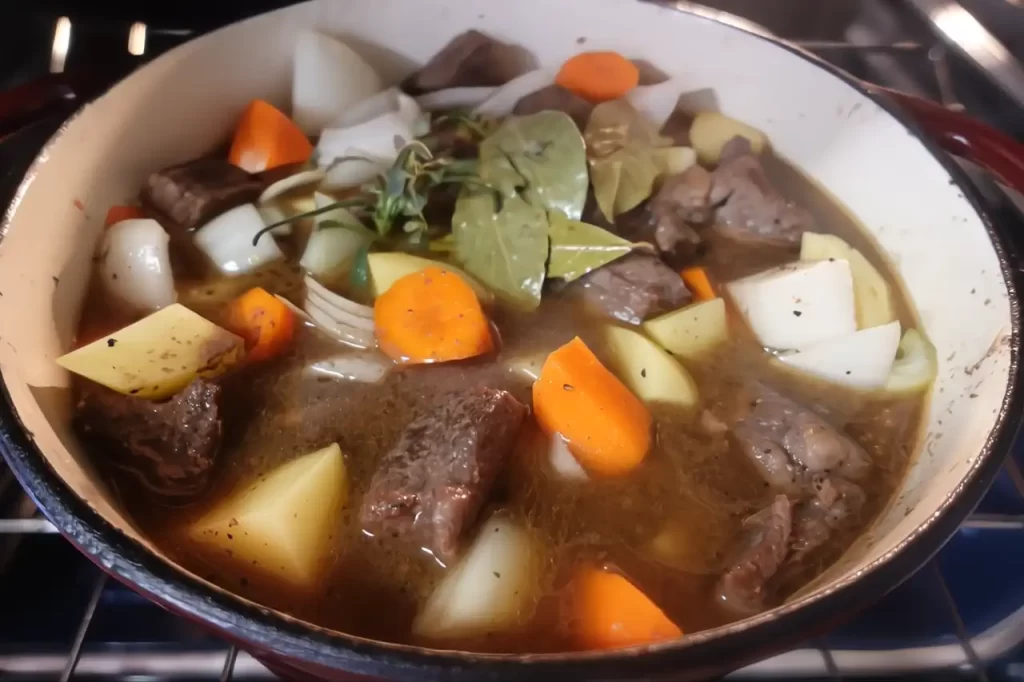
373	587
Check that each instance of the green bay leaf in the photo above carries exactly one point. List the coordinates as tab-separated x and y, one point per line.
505	249
626	155
541	157
578	247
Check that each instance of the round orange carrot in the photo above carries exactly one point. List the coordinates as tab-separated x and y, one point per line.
266	324
265	138
118	213
598	76
431	316
607	427
609	612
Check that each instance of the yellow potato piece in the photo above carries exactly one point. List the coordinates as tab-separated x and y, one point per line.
157	356
693	331
282	524
710	131
387	268
649	372
872	297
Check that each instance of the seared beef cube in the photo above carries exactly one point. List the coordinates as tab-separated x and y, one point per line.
789	443
430	487
834	504
470	59
193	193
170	445
761	551
681	201
556	98
750	209
634	288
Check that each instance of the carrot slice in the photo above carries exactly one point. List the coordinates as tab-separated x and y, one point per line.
607	427
431	316
598	76
266	324
265	138
697	280
609	612
116	214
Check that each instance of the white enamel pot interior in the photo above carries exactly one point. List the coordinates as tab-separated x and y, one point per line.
912	200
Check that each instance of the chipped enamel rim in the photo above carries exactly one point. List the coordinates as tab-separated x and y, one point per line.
709	652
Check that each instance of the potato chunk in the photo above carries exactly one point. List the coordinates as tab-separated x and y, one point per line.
711	131
157	356
281	524
649	372
693	331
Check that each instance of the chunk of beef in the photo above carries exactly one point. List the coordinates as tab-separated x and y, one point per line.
788	443
556	98
634	288
749	208
743	586
684	199
193	193
834	503
170	445
470	59
431	485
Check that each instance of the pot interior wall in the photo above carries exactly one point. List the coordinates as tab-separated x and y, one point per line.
184	104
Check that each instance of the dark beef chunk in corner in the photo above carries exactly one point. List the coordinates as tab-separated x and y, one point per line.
634	288
556	98
763	548
470	59
431	485
834	503
170	445
191	194
749	208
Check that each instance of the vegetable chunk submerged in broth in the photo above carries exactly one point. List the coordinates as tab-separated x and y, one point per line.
531	377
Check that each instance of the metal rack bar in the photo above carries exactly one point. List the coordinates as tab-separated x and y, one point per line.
978	669
83	627
229	665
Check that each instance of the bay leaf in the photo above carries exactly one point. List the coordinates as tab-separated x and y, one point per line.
541	157
505	247
626	156
578	248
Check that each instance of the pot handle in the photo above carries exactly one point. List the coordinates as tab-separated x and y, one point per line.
968	138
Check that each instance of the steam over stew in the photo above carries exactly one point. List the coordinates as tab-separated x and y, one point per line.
495	359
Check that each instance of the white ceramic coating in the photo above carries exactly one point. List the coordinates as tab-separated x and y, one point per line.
186	102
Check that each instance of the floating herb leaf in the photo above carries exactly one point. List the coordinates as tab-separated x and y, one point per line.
577	248
506	249
542	157
626	155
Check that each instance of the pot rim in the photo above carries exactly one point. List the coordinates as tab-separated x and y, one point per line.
738	643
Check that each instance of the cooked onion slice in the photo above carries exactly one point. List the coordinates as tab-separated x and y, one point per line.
366	368
228	241
353	336
455	98
505	98
340	302
915	367
135	265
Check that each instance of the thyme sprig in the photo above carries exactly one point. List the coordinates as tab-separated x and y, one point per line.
398	195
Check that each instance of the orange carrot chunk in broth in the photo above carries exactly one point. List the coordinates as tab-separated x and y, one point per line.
431	316
609	612
116	214
698	282
598	76
266	324
607	427
265	138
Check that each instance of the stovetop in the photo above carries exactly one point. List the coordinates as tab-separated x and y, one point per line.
960	618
